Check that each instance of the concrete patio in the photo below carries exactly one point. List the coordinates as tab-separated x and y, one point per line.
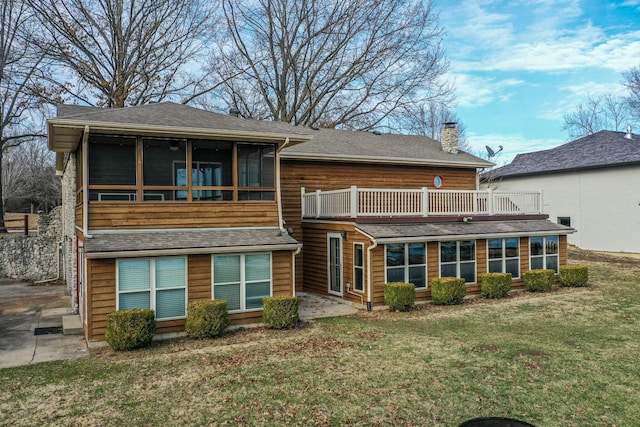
314	306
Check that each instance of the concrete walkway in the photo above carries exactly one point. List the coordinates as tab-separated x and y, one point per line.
26	308
313	306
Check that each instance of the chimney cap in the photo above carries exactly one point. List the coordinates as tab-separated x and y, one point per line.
450	124
234	112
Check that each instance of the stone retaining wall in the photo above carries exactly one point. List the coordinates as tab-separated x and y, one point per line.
33	258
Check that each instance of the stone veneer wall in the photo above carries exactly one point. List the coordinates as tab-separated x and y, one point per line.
34	258
68	232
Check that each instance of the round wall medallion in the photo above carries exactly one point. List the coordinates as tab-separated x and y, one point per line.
438	181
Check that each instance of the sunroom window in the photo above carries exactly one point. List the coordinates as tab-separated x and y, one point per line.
256	171
406	262
543	252
458	259
504	256
112	166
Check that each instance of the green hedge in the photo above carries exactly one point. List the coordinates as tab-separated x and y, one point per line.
280	312
448	290
495	285
129	329
399	295
574	275
539	280
206	319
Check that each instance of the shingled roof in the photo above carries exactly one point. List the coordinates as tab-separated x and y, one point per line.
599	150
354	146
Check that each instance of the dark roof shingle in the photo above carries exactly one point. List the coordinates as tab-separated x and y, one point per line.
601	149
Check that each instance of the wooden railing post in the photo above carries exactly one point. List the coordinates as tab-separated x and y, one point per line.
318	205
541	207
354	201
303	201
425	201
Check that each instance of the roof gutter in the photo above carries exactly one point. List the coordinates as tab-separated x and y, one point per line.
193	251
382	160
415	239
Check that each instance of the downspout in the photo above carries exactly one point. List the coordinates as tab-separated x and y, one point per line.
293	268
369	269
278	189
85	183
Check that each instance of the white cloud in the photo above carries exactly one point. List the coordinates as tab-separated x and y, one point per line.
512	145
578	94
474	91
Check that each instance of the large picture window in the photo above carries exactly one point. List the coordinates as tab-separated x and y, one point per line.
156	283
242	280
458	259
543	253
406	262
504	256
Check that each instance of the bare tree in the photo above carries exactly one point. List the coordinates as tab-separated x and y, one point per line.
19	66
632	83
115	53
29	179
348	63
429	119
606	112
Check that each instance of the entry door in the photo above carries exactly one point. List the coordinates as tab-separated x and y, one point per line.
335	263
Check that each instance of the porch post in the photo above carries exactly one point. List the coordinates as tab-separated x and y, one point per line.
425	201
318	207
490	201
302	207
354	201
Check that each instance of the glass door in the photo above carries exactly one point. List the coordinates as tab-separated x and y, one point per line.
335	263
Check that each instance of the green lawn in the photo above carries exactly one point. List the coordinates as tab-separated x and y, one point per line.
564	358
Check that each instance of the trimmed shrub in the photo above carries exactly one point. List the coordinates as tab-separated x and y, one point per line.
129	329
399	295
495	285
206	319
280	312
448	290
539	280
574	275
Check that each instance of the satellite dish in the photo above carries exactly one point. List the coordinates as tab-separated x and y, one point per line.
492	153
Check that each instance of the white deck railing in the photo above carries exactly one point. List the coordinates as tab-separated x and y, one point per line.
358	202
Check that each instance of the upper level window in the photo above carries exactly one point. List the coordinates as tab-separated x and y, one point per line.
543	252
164	169
458	259
212	168
112	164
504	256
564	220
406	262
256	171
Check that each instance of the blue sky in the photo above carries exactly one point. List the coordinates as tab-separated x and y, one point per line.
520	65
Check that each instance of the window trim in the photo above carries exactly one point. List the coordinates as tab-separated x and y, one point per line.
152	284
358	267
243	282
407	266
457	261
504	258
544	252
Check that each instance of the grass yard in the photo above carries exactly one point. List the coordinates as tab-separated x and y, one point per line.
564	358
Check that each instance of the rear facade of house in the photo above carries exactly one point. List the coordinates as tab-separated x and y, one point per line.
166	204
373	208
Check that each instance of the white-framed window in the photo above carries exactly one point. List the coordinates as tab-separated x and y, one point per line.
242	280
543	253
504	256
458	259
358	267
156	283
406	262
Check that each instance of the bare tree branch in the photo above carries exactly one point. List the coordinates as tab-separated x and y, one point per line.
349	63
117	53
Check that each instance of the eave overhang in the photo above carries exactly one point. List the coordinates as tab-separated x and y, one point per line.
383	160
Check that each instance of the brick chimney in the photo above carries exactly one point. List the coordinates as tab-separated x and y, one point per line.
449	138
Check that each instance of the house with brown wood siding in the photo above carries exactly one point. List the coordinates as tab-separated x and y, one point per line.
373	208
166	204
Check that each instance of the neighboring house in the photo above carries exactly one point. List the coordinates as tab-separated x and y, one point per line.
166	204
591	184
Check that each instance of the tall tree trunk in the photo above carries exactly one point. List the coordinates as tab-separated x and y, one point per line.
3	229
